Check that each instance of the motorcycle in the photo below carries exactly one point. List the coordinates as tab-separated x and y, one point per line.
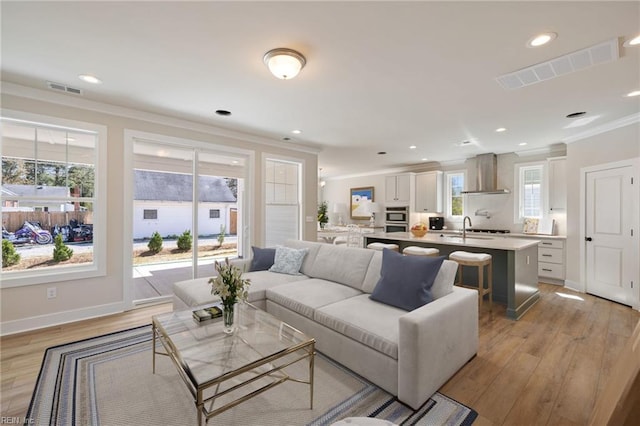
74	232
29	233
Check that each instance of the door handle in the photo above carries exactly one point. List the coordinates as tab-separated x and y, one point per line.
588	239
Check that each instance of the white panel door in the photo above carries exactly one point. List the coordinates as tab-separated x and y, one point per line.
611	248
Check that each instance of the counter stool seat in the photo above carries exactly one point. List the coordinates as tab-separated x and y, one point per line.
479	260
381	246
420	251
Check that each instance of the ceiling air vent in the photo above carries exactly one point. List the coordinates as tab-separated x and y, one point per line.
599	54
64	88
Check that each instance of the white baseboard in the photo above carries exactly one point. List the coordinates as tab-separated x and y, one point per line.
573	285
49	320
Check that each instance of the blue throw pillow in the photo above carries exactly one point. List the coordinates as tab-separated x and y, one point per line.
263	259
406	281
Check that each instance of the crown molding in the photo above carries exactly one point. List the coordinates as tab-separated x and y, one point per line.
603	128
76	101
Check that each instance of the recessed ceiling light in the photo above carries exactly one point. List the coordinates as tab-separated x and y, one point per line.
286	138
465	143
522	143
296	132
90	78
633	42
382	152
234	162
412	147
541	39
501	129
576	114
223	112
632	94
424	159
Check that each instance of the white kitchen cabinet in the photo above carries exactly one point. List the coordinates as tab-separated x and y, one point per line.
398	189
551	261
557	184
429	192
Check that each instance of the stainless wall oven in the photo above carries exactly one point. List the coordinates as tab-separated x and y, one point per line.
396	219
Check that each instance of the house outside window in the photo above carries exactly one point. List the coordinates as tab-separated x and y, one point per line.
53	174
214	213
454	185
150	214
531	190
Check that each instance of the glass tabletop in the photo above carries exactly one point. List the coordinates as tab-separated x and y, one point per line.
206	353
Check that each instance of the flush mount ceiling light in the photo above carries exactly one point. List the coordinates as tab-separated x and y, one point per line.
633	42
284	63
541	39
296	132
90	78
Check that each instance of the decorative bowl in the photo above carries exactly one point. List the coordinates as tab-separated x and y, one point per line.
419	232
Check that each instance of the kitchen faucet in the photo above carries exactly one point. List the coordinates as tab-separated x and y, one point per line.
464	227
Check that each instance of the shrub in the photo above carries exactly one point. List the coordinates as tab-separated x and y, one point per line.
9	255
155	243
185	240
61	251
223	230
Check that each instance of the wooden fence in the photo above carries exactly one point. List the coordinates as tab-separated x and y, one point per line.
13	221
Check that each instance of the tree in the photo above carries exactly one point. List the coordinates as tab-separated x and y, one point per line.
223	230
232	183
185	241
11	171
9	255
82	177
155	243
61	251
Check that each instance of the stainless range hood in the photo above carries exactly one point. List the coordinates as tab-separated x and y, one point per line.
487	176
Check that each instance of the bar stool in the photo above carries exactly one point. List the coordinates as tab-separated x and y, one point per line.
480	260
381	246
420	251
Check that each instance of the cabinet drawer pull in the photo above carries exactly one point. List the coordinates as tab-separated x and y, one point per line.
547	244
547	255
547	270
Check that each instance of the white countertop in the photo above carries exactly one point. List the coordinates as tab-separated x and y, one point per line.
488	241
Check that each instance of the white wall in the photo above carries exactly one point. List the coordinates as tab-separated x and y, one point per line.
28	307
616	145
338	191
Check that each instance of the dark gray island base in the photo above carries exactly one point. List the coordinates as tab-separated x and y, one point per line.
515	263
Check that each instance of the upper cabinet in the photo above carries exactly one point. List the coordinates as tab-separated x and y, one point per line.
557	184
398	189
429	192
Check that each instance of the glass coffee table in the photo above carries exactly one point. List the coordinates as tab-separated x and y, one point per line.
223	370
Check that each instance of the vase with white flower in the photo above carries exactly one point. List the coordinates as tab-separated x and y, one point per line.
231	288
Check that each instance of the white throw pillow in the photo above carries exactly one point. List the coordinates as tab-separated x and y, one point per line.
288	260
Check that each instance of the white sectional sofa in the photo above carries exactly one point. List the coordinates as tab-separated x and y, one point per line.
409	354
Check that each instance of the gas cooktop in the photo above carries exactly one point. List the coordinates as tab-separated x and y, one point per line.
489	231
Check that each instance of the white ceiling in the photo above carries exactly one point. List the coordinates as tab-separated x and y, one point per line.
380	76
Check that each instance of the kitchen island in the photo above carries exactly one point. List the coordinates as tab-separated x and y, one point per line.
515	262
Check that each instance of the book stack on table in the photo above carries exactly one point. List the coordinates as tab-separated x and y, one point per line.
207	314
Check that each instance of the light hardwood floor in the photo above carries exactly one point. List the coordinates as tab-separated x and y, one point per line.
548	368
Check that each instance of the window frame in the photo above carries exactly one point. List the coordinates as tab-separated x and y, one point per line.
98	268
448	194
212	214
144	214
519	171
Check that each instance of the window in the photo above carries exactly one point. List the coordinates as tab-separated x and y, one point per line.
454	182
214	213
51	185
283	206
150	214
530	178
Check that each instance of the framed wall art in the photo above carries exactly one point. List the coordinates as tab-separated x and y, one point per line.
360	197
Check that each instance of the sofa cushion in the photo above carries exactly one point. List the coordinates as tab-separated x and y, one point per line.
366	321
262	259
373	273
443	284
305	296
198	291
344	265
310	258
288	260
406	281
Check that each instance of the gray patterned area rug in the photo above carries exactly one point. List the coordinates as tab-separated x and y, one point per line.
107	380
